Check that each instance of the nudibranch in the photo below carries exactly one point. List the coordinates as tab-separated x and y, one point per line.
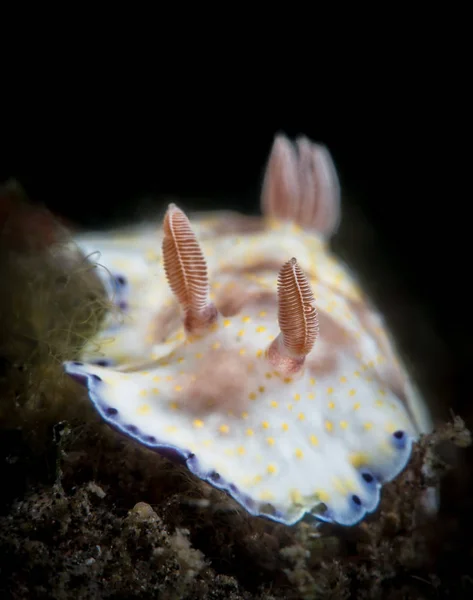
242	346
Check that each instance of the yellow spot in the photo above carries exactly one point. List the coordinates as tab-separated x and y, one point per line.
262	313
170	429
299	453
244	415
213	327
261	389
328	425
227	323
358	459
272	469
250	432
287	379
178	388
289	407
156	378
297	397
198	423
270	441
301	416
274	404
330	390
385	448
266	495
371	364
144	393
144	373
343	379
260	329
144	409
390	427
368	426
343	424
252	396
312	381
314	440
379	403
382	392
255	480
216	345
154	391
246	319
296	496
207	443
350	485
322	496
151	255
352	392
285	426
199	355
224	428
241	333
331	404
180	360
265	425
174	406
338	485
268	375
168	377
241	450
242	351
259	353
311	395
356	406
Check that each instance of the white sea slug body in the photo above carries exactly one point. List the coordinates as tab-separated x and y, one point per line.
244	347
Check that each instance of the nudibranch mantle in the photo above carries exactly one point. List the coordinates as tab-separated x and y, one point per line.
221	356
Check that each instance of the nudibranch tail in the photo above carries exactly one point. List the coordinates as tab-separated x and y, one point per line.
186	270
301	185
297	319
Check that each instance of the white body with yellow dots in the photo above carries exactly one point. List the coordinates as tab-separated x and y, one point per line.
322	441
